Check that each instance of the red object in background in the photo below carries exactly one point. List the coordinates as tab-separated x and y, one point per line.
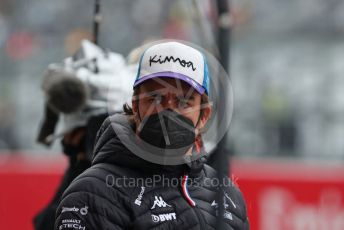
280	195
28	184
19	45
292	195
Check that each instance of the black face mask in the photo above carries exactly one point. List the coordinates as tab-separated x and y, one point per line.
168	130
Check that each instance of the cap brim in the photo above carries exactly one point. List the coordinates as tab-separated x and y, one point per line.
199	88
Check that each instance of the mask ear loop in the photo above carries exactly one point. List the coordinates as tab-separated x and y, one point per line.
198	140
199	118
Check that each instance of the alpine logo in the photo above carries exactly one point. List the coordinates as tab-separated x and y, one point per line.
214	204
227	196
225	204
160	203
139	197
164	217
226	214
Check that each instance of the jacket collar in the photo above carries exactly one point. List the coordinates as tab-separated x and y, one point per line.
109	148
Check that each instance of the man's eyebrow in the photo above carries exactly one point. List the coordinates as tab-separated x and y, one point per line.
150	93
184	96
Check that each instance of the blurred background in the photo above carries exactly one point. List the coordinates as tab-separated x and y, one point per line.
286	65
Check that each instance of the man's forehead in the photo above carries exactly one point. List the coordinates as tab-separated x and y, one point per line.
169	84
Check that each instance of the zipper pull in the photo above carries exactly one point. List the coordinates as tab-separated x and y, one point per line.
186	192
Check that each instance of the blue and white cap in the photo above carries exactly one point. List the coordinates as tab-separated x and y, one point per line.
174	60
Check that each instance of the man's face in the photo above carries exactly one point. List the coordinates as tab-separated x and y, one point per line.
159	94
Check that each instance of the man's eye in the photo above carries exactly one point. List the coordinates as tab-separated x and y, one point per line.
184	103
155	98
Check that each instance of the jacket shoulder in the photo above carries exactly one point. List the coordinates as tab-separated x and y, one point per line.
93	203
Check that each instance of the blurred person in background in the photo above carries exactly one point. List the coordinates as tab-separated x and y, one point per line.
160	136
77	91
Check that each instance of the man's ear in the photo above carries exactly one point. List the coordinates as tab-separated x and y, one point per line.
205	116
134	107
134	104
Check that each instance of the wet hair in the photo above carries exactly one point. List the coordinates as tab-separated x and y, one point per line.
126	107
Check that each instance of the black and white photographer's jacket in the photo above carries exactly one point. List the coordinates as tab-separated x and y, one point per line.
123	191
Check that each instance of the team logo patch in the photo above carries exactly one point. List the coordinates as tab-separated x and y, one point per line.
162	60
164	217
72	224
159	202
226	215
138	200
83	210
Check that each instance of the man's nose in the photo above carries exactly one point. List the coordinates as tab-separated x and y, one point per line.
169	102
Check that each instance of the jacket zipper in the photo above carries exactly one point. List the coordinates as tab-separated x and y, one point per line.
193	203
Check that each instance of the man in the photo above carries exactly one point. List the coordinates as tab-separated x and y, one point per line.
74	147
147	170
76	97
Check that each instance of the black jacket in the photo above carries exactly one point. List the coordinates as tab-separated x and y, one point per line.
123	191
